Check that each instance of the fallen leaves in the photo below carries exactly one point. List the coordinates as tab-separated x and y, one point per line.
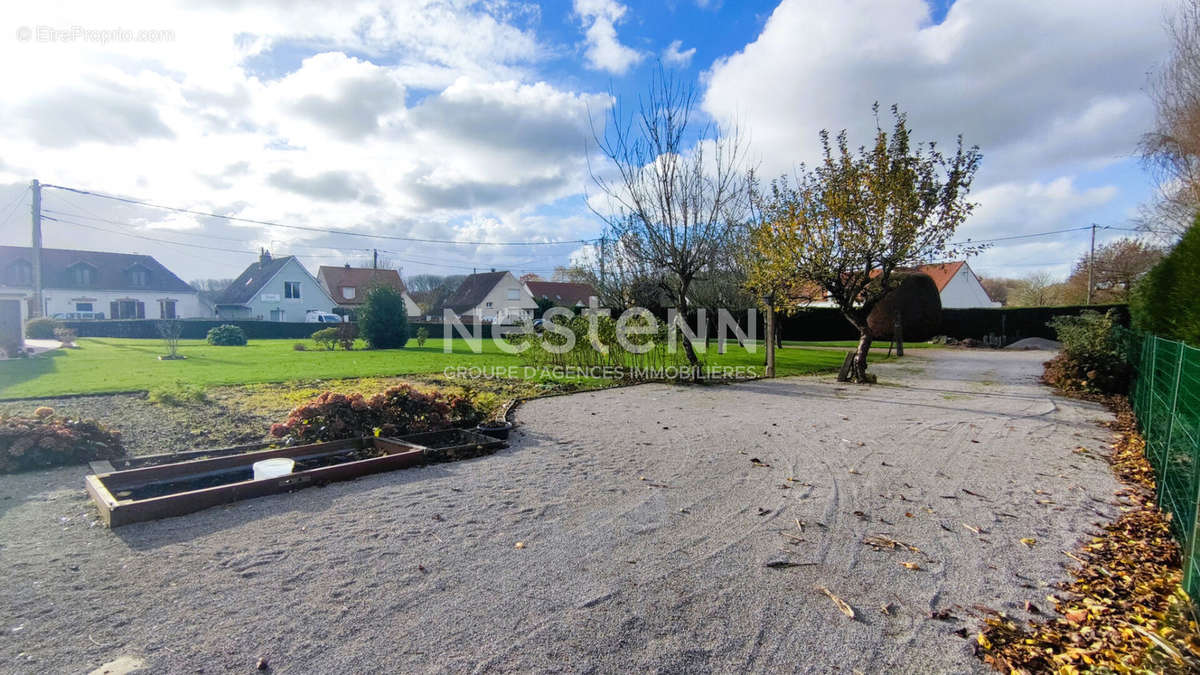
1124	611
1029	541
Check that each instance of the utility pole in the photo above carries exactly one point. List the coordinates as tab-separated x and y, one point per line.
375	258
1091	264
36	211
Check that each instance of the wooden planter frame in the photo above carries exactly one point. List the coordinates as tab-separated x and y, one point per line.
103	485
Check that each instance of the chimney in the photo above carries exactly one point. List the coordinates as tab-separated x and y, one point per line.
264	256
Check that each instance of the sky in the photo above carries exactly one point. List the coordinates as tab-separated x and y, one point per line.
471	121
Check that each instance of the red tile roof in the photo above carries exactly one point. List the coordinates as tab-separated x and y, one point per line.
561	292
334	279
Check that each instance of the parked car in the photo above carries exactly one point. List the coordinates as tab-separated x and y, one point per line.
322	317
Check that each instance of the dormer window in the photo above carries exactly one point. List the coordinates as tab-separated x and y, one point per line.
348	292
139	276
20	273
82	274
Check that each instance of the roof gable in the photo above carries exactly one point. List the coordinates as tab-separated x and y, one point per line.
252	280
334	279
111	269
473	290
568	293
941	273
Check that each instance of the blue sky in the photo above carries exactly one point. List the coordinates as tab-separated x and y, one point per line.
468	121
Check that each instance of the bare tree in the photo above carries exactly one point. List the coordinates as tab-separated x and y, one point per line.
171	330
676	191
1038	289
1172	148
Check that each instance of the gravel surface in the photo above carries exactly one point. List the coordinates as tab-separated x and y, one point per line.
147	428
650	539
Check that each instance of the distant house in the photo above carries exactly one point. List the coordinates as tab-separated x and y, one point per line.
493	296
98	285
348	287
956	283
563	294
273	289
13	308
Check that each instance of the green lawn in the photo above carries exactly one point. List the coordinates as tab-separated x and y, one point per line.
877	344
114	365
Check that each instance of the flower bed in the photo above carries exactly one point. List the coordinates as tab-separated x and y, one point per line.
46	441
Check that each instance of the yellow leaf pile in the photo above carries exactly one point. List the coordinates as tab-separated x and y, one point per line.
1125	610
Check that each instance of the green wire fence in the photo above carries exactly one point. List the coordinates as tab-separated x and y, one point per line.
1166	400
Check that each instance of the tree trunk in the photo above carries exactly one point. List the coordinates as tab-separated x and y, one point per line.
688	349
770	341
859	369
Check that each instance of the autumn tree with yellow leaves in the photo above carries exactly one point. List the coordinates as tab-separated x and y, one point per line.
847	224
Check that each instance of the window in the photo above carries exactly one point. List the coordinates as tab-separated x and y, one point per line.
291	290
489	305
127	309
83	275
20	273
348	292
514	294
166	309
83	307
139	276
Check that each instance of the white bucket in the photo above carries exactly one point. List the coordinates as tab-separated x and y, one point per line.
273	468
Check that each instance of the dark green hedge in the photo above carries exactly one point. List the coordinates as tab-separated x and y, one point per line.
1015	323
197	329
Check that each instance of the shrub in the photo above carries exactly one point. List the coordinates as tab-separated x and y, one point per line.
1093	354
917	302
399	410
422	336
383	320
1164	301
46	441
299	346
326	338
40	329
227	335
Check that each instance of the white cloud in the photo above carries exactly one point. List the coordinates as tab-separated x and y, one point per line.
673	55
604	51
1038	86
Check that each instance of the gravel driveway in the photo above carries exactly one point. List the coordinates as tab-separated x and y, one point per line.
647	532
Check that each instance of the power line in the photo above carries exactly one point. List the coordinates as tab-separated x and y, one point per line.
13	206
1022	236
349	233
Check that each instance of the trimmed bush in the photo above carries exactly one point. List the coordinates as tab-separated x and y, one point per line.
326	338
1165	300
917	302
41	328
383	320
227	335
399	410
67	336
1093	354
46	441
422	336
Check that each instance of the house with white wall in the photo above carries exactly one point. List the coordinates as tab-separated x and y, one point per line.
348	286
273	289
493	296
99	285
957	286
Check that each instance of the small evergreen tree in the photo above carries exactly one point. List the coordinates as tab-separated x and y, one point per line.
383	320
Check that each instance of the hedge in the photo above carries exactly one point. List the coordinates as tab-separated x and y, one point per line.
197	329
1016	323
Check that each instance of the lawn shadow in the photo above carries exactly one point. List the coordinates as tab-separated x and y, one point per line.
18	371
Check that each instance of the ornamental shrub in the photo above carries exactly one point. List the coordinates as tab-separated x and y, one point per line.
227	335
383	320
41	328
326	338
1093	354
399	410
917	302
47	441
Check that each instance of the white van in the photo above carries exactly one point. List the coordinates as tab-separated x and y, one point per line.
315	316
